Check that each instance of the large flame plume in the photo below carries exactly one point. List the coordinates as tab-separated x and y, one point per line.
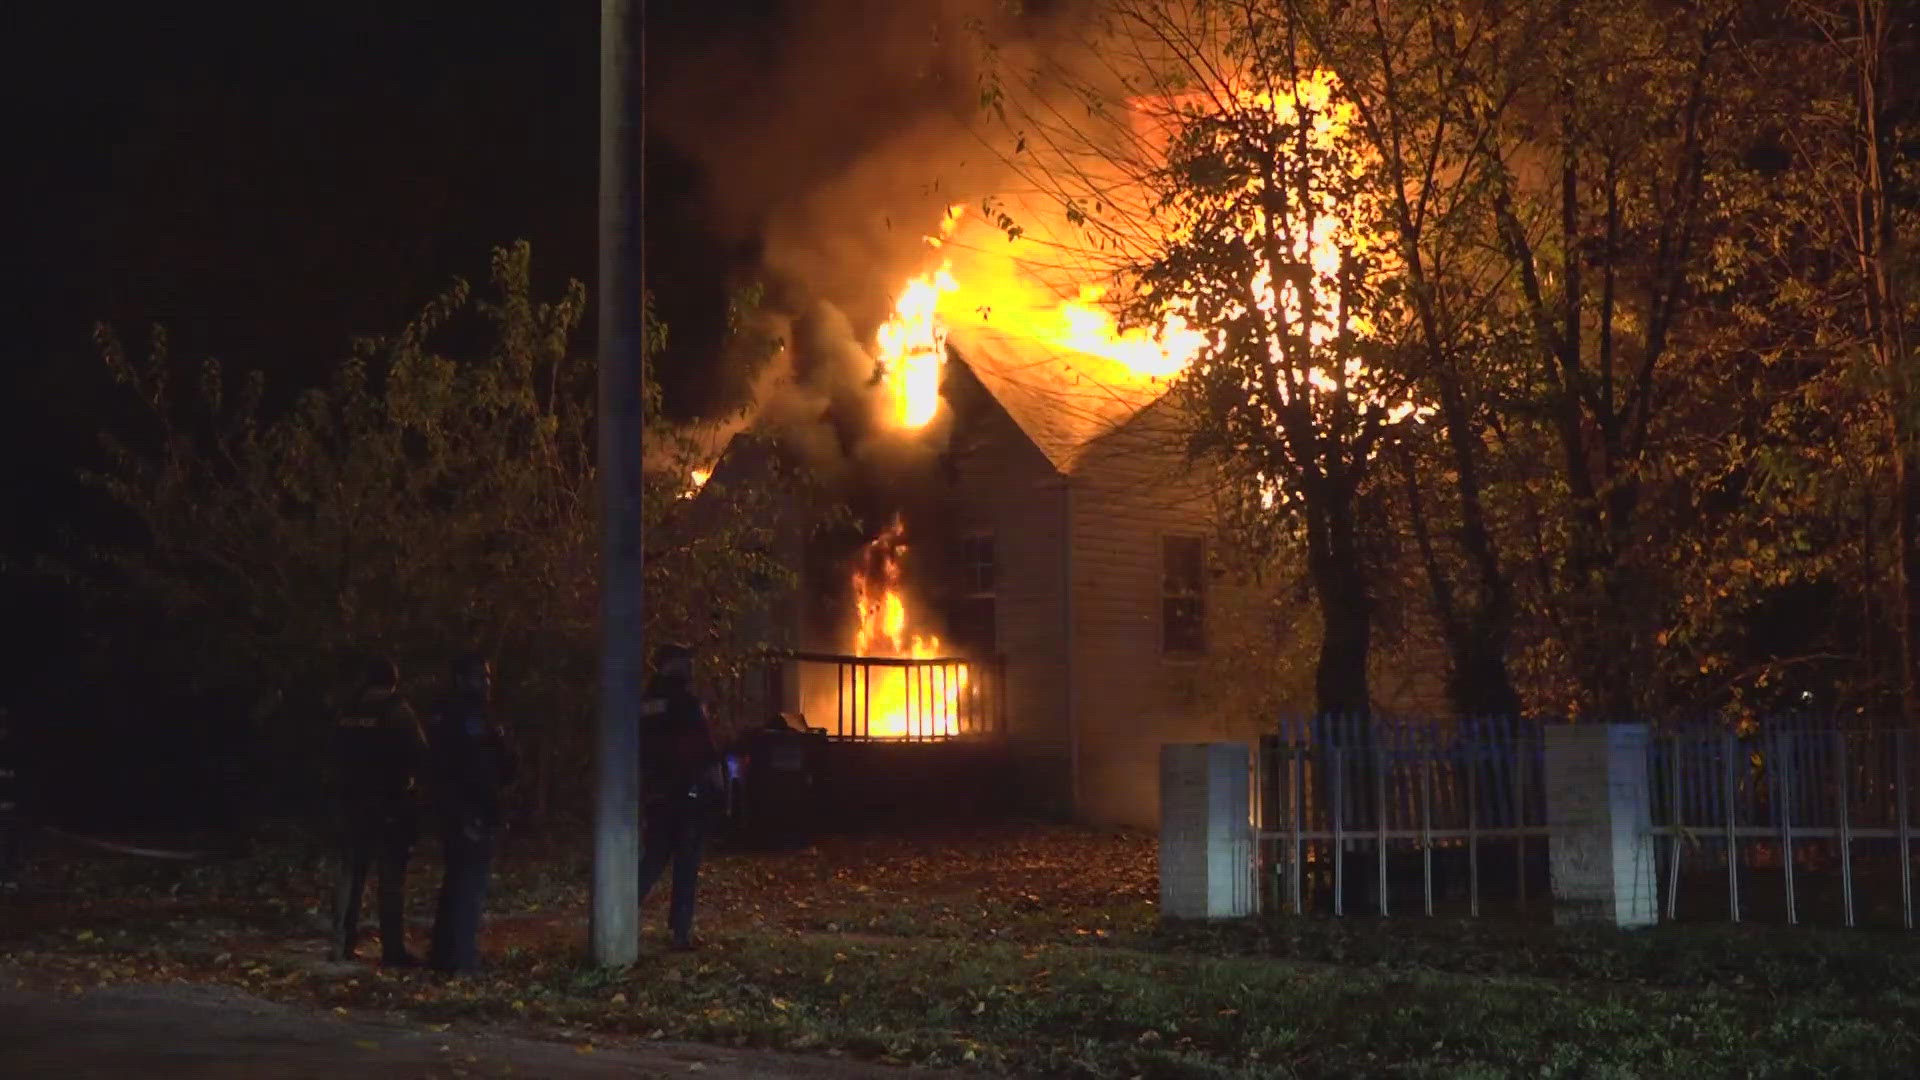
1028	286
899	702
913	350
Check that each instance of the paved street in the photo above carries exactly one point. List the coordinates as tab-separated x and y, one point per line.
167	1032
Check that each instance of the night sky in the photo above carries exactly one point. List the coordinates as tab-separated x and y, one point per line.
266	184
266	181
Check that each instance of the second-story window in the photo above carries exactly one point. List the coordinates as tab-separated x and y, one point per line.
1183	599
974	616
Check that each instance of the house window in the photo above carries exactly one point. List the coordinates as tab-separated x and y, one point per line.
1183	601
973	617
976	553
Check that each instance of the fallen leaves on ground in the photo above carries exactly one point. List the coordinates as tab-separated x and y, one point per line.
1034	950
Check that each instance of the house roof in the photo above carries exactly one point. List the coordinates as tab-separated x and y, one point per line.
748	457
1061	399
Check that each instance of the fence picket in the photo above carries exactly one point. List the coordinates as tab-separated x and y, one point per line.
1825	808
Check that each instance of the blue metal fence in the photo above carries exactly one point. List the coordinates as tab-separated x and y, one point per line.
1391	792
1401	804
1827	810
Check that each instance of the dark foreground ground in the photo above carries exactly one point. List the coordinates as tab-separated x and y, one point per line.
1033	951
177	1032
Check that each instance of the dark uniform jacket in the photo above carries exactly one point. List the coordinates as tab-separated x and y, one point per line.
678	758
10	795
377	750
472	764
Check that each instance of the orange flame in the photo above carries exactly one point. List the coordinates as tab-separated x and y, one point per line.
913	349
1023	285
696	479
898	702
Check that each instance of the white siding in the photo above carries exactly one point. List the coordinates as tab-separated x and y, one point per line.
1003	485
1131	489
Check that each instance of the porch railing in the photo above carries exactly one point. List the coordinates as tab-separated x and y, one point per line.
925	699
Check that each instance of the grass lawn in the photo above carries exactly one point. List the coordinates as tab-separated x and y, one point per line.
1031	951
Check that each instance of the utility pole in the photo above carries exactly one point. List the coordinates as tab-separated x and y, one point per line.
614	927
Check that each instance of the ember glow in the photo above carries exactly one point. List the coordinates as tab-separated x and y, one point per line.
904	702
696	479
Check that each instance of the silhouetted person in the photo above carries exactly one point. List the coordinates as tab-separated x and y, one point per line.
13	826
472	765
377	751
679	784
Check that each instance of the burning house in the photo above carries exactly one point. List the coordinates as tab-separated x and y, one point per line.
1042	577
1044	584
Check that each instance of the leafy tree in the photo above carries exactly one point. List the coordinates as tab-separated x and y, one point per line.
1858	209
1406	70
1605	208
1546	213
1784	492
419	502
1209	178
1294	387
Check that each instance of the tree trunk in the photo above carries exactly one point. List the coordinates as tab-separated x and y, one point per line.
1475	628
1346	614
1907	574
1876	239
1343	725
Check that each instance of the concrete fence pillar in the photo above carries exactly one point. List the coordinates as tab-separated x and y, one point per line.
1206	832
1599	815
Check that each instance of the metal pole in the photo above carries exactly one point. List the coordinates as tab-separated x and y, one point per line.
1674	826
1473	833
1783	776
1426	828
976	700
1729	779
1521	756
1295	805
1904	828
1380	817
1339	830
977	704
613	934
1844	826
966	703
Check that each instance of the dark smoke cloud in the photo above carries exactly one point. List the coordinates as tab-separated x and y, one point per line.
833	139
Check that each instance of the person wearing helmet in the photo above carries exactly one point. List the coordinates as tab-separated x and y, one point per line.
472	765
377	750
679	784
